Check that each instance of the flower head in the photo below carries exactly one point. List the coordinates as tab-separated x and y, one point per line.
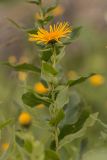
22	76
54	34
12	59
40	106
25	119
5	146
97	80
58	11
40	88
72	75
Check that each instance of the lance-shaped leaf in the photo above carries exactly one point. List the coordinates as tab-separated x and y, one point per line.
23	67
16	24
62	97
74	34
59	116
47	68
72	128
35	2
48	19
32	100
88	123
49	9
46	54
4	124
79	80
31	30
51	155
48	72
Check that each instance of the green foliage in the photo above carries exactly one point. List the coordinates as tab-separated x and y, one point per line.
74	35
32	99
49	9
73	128
50	154
88	123
62	97
23	67
59	116
48	72
79	80
46	54
37	2
4	124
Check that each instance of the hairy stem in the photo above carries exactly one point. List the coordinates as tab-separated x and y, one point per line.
54	107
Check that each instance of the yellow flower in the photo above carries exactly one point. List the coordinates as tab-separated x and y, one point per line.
40	88
22	76
40	106
23	59
54	34
58	11
72	75
38	16
5	146
24	119
12	59
97	80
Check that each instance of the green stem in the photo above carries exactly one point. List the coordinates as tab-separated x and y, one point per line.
54	56
53	109
56	138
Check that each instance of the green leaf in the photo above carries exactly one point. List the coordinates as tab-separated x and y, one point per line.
49	69
79	80
73	128
51	155
32	100
48	19
49	9
48	72
62	97
23	67
4	124
31	30
55	120
73	108
88	123
97	153
75	33
46	54
28	146
19	141
61	54
35	2
15	24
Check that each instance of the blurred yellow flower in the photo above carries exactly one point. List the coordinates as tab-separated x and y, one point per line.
5	146
22	76
40	88
72	75
38	16
97	80
54	34
40	106
24	118
12	59
59	10
23	59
